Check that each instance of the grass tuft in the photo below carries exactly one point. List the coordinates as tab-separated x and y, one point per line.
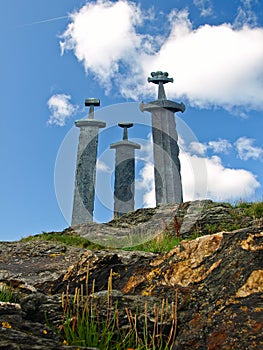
84	325
162	243
7	295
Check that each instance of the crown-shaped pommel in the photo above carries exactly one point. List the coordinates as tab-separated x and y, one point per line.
160	77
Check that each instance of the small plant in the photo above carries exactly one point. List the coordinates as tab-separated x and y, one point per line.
84	325
177	227
243	205
163	242
254	210
212	228
7	295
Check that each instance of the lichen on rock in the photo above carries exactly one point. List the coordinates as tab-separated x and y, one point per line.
214	280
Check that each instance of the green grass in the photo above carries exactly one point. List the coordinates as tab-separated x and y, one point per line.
6	295
224	226
70	239
161	243
83	324
164	242
241	213
254	210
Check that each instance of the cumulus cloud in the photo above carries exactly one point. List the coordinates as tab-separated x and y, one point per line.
223	184
202	176
61	109
205	7
219	182
103	34
213	65
246	150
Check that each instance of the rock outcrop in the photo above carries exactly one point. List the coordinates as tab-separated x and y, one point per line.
214	283
189	219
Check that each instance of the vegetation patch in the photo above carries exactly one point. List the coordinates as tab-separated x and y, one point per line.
67	237
226	217
254	210
84	325
163	242
7	295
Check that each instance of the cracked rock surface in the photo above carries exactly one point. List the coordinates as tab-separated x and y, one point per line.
215	283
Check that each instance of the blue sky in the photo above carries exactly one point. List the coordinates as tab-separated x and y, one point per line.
57	53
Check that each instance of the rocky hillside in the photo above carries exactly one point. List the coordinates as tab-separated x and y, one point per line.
208	288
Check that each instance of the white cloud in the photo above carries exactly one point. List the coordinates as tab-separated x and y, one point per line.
61	109
146	151
194	176
223	184
198	148
202	177
102	34
246	150
103	167
145	180
212	65
145	183
205	6
220	146
207	177
218	183
245	15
